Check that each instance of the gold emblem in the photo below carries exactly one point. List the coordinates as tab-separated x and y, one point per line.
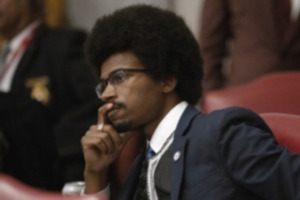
39	89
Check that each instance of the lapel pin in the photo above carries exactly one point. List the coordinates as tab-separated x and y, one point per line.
176	156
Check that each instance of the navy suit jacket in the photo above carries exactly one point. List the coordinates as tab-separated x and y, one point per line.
227	154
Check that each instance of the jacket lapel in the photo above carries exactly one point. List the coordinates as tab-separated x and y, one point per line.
27	58
178	150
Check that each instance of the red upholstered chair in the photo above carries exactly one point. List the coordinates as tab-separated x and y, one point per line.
12	189
286	129
122	165
276	92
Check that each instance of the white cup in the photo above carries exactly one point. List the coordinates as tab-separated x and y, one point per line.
73	188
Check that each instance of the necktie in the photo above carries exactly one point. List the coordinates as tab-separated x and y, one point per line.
4	52
282	15
149	153
141	191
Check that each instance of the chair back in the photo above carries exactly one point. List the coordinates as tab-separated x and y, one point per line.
276	92
126	158
286	129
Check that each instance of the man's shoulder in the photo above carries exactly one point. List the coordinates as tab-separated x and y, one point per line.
61	36
225	118
225	123
232	113
65	34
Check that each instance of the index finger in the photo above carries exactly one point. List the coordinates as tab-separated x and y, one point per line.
102	113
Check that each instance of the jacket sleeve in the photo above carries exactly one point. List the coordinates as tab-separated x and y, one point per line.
254	159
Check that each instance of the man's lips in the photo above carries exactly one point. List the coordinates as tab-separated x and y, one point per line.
117	107
112	111
114	114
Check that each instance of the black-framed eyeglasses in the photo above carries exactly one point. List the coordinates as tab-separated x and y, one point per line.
115	78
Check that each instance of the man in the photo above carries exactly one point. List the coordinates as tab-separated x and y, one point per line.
47	98
243	40
150	71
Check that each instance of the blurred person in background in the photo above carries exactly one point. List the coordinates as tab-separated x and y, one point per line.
243	40
3	150
47	98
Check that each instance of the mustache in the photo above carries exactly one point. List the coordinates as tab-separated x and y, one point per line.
118	105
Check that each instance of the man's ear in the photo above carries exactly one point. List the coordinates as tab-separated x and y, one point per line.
168	84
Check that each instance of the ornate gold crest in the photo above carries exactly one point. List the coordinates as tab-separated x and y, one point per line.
39	89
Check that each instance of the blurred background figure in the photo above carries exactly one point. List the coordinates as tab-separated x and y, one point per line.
3	150
54	14
242	40
47	97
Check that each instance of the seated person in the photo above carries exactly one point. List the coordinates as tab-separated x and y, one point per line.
151	72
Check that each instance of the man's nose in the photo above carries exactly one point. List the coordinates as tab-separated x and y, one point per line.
108	93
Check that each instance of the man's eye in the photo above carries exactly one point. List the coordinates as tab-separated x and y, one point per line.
118	78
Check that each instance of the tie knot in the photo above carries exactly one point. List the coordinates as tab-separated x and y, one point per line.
149	153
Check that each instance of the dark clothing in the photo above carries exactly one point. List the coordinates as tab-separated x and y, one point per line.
245	31
3	149
227	154
44	134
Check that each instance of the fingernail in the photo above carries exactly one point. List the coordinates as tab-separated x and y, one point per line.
109	105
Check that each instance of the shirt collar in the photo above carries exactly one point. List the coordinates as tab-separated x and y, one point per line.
167	126
16	41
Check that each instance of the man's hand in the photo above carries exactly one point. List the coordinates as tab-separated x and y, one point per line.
101	146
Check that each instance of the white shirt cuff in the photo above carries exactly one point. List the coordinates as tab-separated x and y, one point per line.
103	193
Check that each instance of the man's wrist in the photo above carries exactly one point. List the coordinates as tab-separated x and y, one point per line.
95	181
103	193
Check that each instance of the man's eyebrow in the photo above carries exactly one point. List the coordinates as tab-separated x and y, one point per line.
112	72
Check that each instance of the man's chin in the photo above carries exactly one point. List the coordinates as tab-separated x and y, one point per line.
121	127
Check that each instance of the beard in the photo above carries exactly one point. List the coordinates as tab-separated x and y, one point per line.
122	125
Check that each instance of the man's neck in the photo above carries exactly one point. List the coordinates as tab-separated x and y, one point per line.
152	127
167	126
